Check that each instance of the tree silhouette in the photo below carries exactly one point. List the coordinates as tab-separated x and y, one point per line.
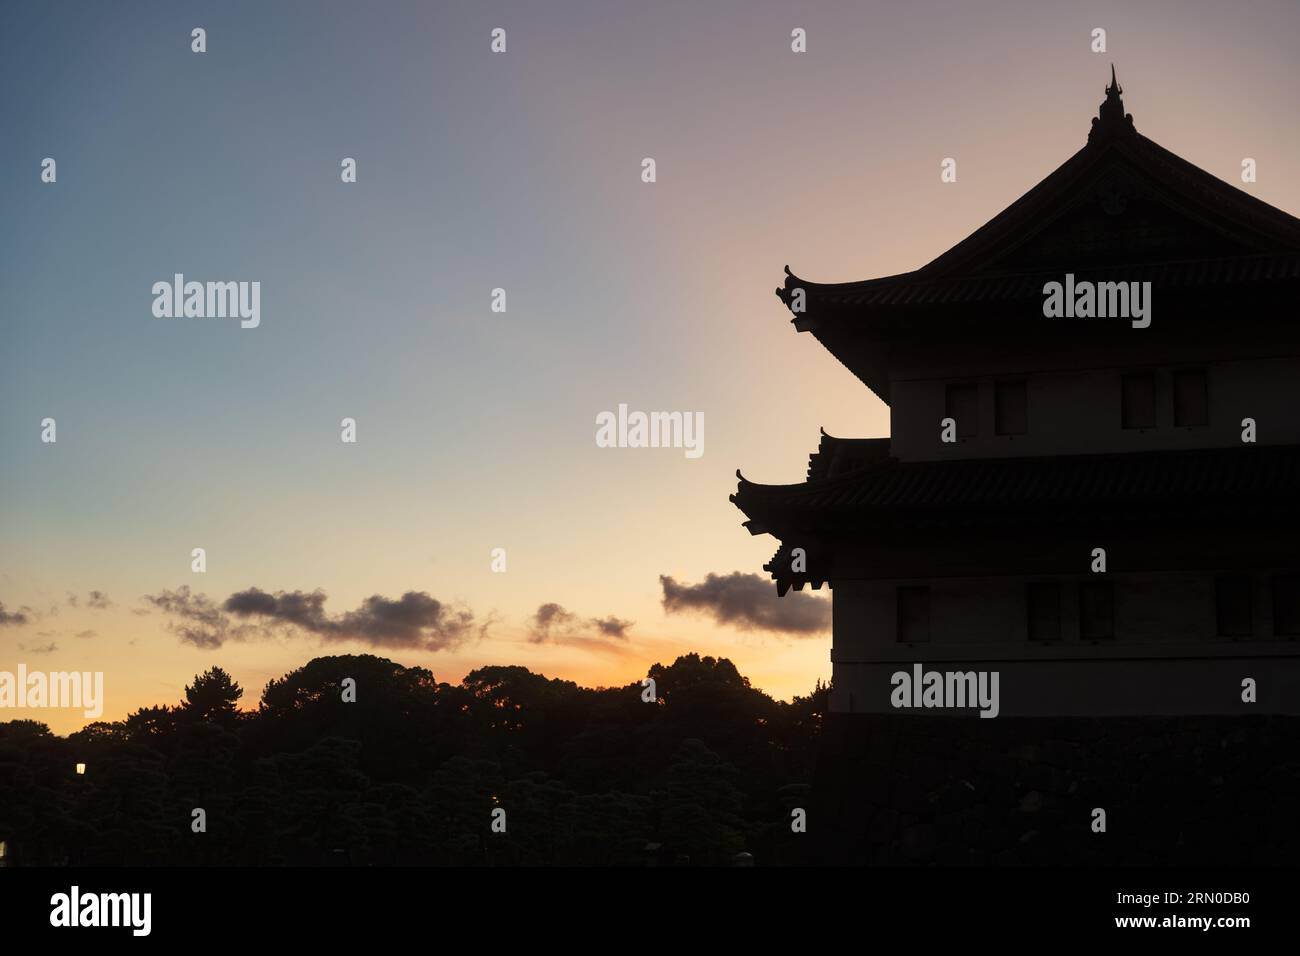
213	696
410	770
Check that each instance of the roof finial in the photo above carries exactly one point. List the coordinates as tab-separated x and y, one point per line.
1111	118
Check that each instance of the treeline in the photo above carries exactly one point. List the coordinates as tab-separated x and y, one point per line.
412	771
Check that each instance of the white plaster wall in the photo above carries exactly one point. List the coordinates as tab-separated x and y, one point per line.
1078	411
1166	657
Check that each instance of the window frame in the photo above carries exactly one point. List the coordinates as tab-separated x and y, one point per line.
1040	586
949	389
1221	583
1180	374
999	389
922	589
1107	587
1125	379
1294	586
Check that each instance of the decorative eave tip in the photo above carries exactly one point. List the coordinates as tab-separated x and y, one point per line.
783	292
1111	120
795	297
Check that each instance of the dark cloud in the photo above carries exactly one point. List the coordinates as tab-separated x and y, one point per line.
611	626
49	648
85	634
299	608
552	624
416	619
196	619
12	617
748	602
549	619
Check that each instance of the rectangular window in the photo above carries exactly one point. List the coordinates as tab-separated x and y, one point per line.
1139	400
963	406
1232	606
1043	604
1191	397
1011	409
1096	611
1286	605
913	614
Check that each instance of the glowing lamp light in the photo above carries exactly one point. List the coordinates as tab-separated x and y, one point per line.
81	769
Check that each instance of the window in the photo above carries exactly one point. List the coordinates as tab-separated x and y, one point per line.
963	406
913	614
1096	611
1011	409
1191	398
1286	604
1043	603
1232	606
1139	400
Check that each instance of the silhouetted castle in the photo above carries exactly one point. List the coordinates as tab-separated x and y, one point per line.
1100	510
1174	448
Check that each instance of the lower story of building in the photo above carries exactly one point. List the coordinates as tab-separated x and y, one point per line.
1146	643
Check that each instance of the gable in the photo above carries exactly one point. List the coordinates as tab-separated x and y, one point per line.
1123	200
1118	214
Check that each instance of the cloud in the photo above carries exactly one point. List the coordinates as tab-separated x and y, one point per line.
98	600
611	626
748	602
549	618
553	624
196	619
12	617
296	607
49	648
85	634
415	620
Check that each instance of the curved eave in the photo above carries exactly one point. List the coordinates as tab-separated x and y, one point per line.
957	277
1233	483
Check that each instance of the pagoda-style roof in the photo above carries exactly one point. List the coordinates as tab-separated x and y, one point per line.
838	456
1054	490
1122	208
1242	484
1246	483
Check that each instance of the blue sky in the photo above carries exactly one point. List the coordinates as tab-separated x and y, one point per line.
521	171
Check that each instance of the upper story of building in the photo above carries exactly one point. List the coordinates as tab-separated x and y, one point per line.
1119	348
1129	302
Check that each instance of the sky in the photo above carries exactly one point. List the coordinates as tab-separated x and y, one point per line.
476	429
